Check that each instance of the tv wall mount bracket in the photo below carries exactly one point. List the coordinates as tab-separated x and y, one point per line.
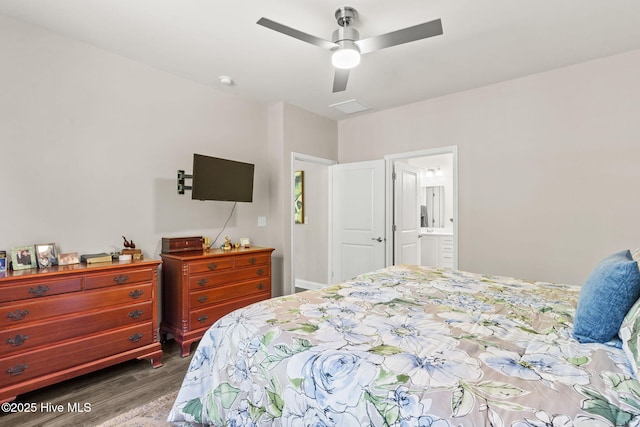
181	178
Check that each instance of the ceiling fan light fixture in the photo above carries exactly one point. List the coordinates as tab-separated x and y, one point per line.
346	56
346	45
345	59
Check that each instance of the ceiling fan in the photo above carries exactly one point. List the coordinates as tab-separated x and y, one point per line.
346	44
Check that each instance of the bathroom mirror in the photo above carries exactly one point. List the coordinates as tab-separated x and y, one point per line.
432	209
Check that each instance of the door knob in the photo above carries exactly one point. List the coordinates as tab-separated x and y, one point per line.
377	239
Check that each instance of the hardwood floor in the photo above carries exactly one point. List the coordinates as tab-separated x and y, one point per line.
107	392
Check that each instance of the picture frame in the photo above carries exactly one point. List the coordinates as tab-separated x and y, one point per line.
23	257
298	197
3	265
46	254
68	258
245	242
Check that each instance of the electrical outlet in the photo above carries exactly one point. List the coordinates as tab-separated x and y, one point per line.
262	221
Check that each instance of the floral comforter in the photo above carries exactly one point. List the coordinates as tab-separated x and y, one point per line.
408	346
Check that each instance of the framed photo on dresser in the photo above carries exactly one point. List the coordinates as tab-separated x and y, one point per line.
47	254
69	258
23	257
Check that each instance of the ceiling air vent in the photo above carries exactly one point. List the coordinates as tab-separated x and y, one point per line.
349	107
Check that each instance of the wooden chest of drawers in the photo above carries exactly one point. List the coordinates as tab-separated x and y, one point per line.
200	287
66	321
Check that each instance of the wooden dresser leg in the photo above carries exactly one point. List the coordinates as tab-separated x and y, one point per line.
185	349
156	361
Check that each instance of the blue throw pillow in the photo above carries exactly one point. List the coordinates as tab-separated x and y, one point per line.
605	298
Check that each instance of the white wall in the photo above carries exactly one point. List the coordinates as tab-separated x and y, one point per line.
311	249
548	165
293	129
91	142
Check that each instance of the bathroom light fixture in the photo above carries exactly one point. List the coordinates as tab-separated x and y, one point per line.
433	172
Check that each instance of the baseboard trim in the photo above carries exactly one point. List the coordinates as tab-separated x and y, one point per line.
307	284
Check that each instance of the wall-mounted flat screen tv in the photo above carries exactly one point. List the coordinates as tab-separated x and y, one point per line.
221	179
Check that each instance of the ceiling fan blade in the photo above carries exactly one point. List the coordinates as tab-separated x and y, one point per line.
292	32
406	35
340	80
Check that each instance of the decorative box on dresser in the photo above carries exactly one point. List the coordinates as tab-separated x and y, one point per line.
65	321
199	287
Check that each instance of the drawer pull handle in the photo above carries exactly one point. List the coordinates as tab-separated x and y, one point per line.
203	318
135	337
136	294
203	299
252	260
18	314
135	314
212	266
18	340
17	370
120	279
39	291
260	272
260	286
202	282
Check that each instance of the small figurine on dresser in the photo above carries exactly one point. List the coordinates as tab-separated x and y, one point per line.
128	244
130	249
206	244
227	244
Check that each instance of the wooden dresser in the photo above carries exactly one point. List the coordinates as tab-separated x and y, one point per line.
65	321
200	287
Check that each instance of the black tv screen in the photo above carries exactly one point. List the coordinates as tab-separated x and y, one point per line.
221	179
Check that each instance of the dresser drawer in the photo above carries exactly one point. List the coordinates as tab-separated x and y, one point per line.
32	335
118	278
203	281
251	260
210	265
36	289
205	317
59	305
223	293
36	363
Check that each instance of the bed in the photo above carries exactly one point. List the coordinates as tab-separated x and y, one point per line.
411	346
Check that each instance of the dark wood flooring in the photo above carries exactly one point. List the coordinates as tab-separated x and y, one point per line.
109	392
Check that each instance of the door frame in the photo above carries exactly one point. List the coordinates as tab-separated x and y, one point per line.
321	161
390	158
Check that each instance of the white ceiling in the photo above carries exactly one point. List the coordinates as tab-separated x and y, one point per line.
484	42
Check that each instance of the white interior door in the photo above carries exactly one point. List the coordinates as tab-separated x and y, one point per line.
358	214
406	213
